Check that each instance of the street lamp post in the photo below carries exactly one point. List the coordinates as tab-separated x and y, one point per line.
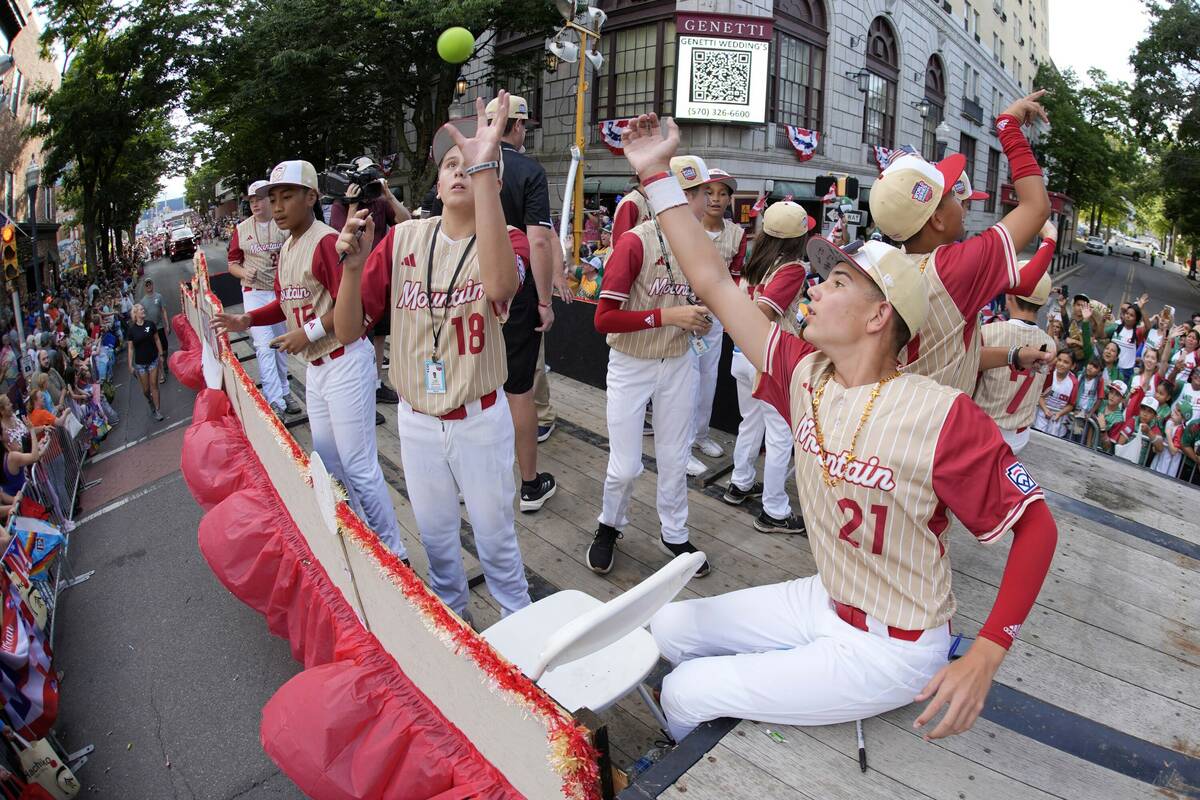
33	176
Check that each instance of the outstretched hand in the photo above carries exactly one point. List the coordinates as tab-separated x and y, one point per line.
1027	109
485	144
649	145
961	687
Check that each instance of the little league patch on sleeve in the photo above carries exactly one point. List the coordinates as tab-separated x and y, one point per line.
1020	477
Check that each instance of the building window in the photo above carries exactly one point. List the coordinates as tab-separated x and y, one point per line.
971	83
883	68
935	96
641	74
966	146
993	179
10	196
797	71
33	115
18	83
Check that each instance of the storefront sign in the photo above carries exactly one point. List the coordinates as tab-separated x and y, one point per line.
721	72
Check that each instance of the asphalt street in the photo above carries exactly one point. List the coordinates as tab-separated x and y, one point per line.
163	670
1116	279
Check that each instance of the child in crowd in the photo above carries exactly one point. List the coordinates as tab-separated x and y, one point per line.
1091	395
1059	398
1168	453
1190	394
1114	428
1149	429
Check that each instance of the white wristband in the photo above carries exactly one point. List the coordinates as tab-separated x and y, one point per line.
664	194
314	330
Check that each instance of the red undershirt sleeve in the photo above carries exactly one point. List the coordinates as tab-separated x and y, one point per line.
782	289
233	254
621	270
1034	538
270	313
625	219
1033	271
376	286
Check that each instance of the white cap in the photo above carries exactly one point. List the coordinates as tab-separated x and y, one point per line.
252	190
290	173
1150	403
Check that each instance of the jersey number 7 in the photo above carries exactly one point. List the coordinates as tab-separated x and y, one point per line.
1022	390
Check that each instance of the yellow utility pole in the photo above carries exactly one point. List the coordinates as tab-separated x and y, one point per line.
581	87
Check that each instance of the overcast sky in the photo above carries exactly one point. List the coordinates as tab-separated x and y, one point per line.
1081	36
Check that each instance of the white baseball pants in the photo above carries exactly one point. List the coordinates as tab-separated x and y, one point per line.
706	387
340	395
1016	440
473	455
781	654
272	364
632	383
760	419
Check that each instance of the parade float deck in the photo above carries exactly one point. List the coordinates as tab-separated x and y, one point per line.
1099	699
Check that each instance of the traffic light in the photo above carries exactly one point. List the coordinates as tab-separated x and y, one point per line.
8	256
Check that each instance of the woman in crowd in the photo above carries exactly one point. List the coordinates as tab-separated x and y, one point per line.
12	426
145	350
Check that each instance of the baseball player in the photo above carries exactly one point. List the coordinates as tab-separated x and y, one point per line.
450	279
775	278
731	244
882	459
253	254
921	206
632	211
1010	396
340	379
654	328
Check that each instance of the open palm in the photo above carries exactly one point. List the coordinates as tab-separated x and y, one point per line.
485	144
649	145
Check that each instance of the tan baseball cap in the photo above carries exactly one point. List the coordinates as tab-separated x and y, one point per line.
716	175
290	173
1041	292
517	109
909	191
902	284
787	220
690	171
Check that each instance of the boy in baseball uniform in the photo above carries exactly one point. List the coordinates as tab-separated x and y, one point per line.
921	206
775	278
882	459
730	239
253	254
1010	396
446	282
632	211
654	327
340	378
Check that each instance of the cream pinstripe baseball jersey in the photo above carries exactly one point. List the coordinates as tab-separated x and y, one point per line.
656	285
470	341
303	294
632	211
257	245
784	283
1007	395
963	278
729	245
925	450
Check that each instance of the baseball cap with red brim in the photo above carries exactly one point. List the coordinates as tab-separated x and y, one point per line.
909	191
964	192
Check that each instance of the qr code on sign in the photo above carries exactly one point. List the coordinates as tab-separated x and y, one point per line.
720	76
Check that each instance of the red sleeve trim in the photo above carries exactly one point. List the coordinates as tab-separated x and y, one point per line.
622	268
325	266
610	318
1034	539
783	287
739	258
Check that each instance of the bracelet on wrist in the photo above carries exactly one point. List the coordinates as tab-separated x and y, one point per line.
544	305
314	330
481	167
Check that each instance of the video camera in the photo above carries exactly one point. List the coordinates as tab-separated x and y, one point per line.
362	172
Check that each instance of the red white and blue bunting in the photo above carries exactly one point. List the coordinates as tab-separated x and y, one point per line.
804	141
610	134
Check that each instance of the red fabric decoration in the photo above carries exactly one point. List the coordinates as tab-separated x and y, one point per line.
188	369
213	450
185	334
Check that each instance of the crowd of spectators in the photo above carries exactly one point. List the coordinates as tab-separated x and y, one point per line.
1125	383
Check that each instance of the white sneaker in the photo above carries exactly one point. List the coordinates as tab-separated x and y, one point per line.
709	447
696	467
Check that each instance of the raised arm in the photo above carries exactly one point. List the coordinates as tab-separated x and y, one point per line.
649	147
1033	204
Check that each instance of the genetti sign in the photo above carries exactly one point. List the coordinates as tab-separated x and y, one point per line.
721	67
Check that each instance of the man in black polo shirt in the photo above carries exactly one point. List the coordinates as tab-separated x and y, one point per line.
526	201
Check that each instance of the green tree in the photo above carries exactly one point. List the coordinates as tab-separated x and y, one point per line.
329	81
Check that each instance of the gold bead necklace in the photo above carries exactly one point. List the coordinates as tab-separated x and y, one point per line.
830	481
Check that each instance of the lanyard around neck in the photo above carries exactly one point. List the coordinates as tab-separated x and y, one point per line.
437	326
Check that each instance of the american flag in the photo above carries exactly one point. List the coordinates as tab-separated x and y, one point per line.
803	141
831	196
610	134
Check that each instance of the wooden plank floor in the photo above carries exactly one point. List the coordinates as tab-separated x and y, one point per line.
1114	637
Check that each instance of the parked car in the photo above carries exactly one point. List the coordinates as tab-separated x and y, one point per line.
1121	246
182	244
1095	245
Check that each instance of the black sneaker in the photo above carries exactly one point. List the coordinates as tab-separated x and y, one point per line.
765	523
385	394
680	549
602	552
544	432
536	492
735	496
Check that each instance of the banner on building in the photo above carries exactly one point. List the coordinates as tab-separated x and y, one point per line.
721	67
610	134
803	141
